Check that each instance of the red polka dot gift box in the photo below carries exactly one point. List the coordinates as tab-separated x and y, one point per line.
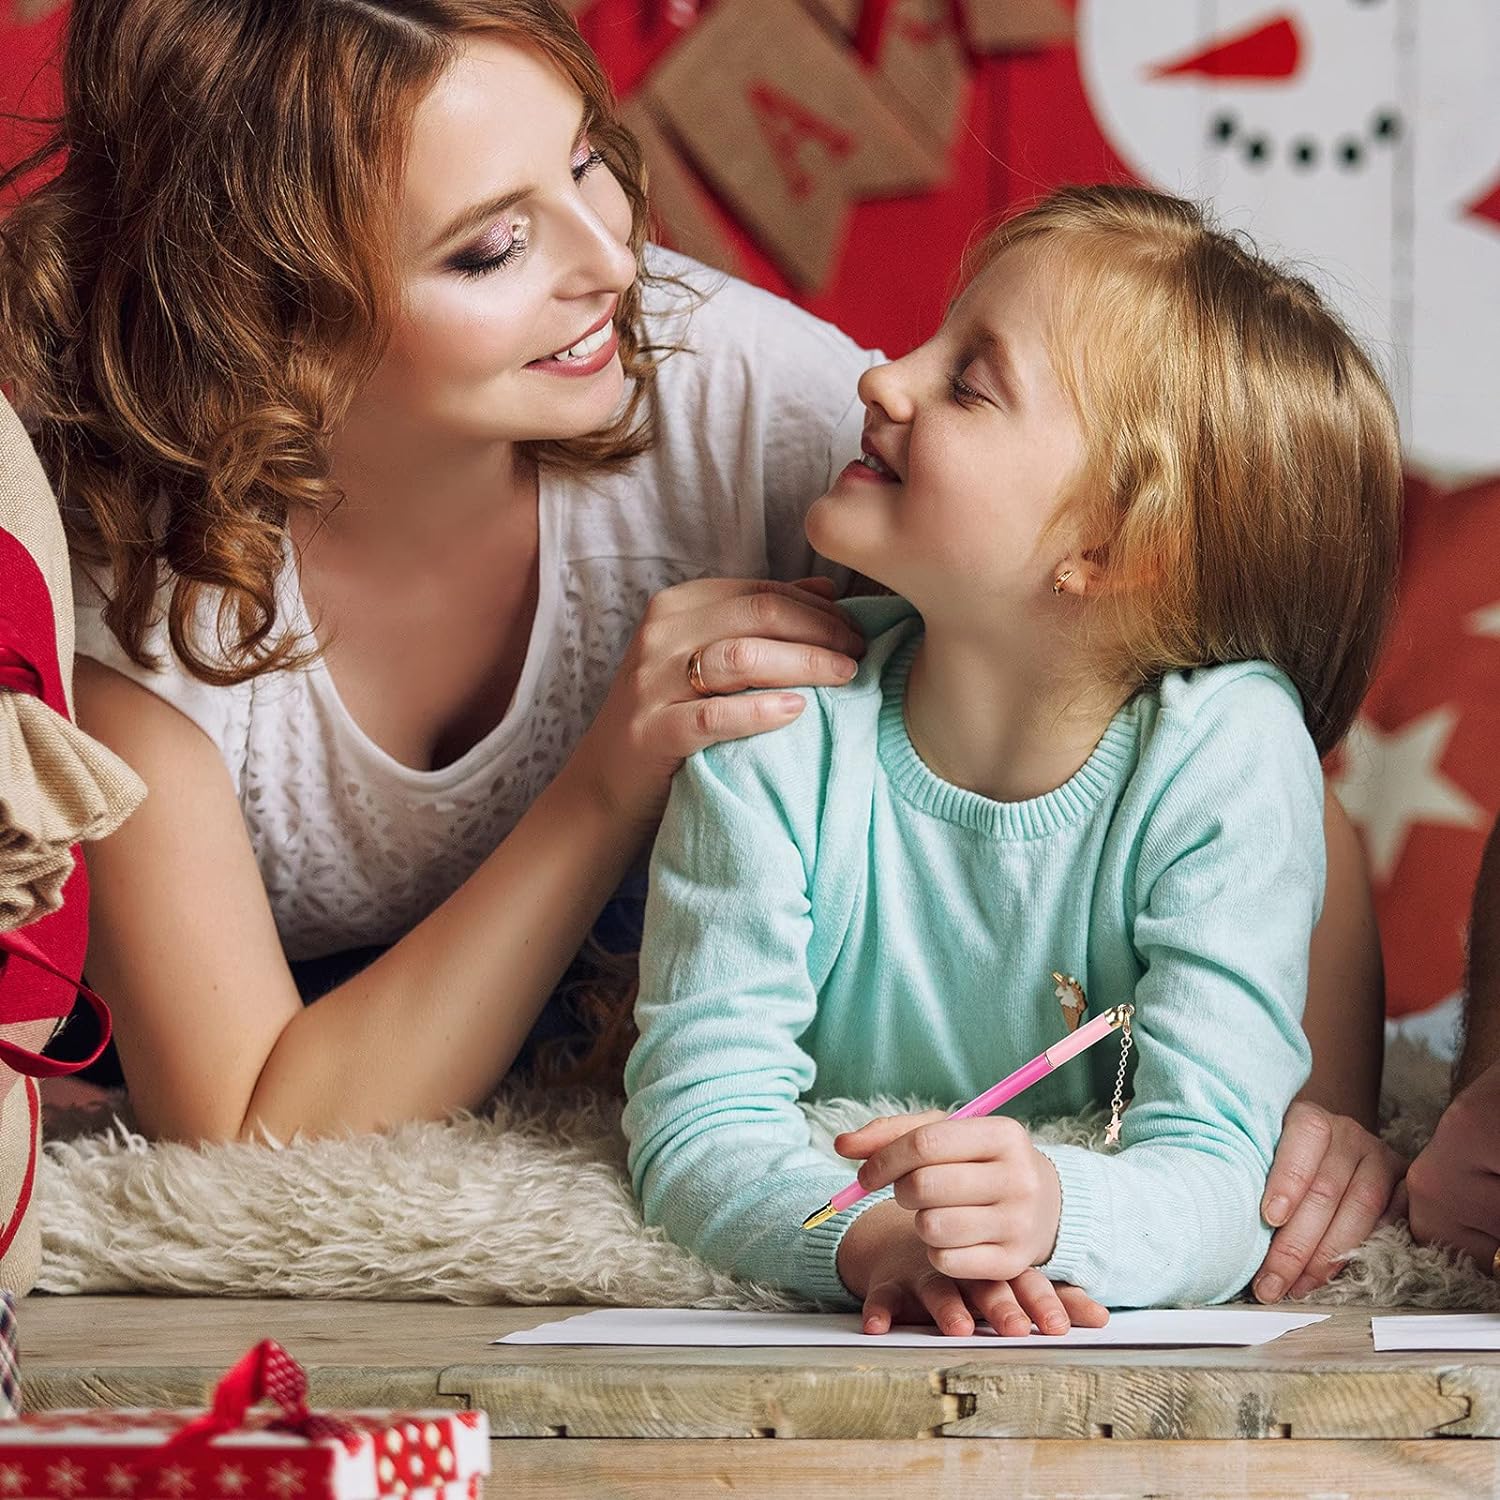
234	1453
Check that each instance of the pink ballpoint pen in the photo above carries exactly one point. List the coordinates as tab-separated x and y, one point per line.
1004	1091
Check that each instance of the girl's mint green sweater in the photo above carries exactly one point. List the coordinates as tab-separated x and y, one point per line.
828	918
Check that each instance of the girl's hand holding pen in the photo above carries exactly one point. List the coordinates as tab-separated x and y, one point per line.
987	1202
976	1208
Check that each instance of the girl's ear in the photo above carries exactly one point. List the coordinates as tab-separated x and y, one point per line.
1079	575
1090	573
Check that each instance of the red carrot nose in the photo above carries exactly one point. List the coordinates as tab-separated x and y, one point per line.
1272	50
1487	205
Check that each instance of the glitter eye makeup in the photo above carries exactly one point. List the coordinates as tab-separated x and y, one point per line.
585	159
498	248
502	246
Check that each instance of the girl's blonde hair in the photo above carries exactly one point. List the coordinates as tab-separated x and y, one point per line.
1241	484
188	305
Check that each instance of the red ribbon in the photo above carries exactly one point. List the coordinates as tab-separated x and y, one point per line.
266	1373
17	674
17	945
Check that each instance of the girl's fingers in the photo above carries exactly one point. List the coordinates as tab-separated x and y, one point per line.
882	1305
993	1138
1082	1310
951	1228
869	1138
953	1185
945	1305
1039	1300
753	662
992	1262
1365	1199
997	1303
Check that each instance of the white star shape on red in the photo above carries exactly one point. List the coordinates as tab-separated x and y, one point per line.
1485	621
12	1479
120	1481
1390	783
284	1481
66	1478
231	1480
176	1482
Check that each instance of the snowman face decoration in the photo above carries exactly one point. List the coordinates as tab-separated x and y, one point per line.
1304	123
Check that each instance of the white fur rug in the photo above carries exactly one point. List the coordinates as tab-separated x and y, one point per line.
528	1204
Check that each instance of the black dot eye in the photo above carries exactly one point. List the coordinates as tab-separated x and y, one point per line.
1305	153
1351	153
1257	150
1386	126
1222	129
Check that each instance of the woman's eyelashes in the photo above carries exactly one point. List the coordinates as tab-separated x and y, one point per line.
492	253
501	250
585	159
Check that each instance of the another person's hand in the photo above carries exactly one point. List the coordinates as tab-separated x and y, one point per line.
883	1260
986	1201
1331	1183
748	633
1454	1185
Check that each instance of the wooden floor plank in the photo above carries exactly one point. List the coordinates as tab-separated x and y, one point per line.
987	1468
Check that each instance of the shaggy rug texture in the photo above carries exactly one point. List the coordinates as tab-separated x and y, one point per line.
529	1203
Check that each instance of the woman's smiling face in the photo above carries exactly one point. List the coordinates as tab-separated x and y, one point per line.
513	249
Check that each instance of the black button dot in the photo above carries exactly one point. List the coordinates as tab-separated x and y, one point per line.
1387	125
1257	150
1305	153
1223	128
1351	154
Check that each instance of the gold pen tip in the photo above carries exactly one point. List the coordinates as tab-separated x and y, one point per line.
821	1217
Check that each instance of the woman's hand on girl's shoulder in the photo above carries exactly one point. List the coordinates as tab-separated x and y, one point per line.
698	645
1331	1183
883	1260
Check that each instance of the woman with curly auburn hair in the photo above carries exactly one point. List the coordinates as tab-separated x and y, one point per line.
426	519
398	524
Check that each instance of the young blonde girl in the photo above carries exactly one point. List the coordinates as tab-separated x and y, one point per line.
1138	499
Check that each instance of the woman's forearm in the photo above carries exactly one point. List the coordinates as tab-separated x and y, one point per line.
1345	1015
1481	1048
434	1023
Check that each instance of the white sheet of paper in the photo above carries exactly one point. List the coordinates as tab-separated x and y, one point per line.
710	1329
1443	1331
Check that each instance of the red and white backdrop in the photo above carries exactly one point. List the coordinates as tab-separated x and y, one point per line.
841	152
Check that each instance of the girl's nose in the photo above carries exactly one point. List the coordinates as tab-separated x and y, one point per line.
885	389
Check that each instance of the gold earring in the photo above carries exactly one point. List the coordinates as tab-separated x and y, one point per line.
1061	579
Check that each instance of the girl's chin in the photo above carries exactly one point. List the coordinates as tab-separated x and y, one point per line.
840	532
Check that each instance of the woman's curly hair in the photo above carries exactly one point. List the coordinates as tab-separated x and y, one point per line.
188	304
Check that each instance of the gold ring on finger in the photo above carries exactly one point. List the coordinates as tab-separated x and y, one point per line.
1495	1264
695	675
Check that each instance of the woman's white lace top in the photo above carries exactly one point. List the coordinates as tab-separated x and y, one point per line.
757	412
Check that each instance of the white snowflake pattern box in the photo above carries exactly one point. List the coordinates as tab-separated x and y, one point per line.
130	1454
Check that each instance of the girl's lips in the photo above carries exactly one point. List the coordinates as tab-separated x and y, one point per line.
859	472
